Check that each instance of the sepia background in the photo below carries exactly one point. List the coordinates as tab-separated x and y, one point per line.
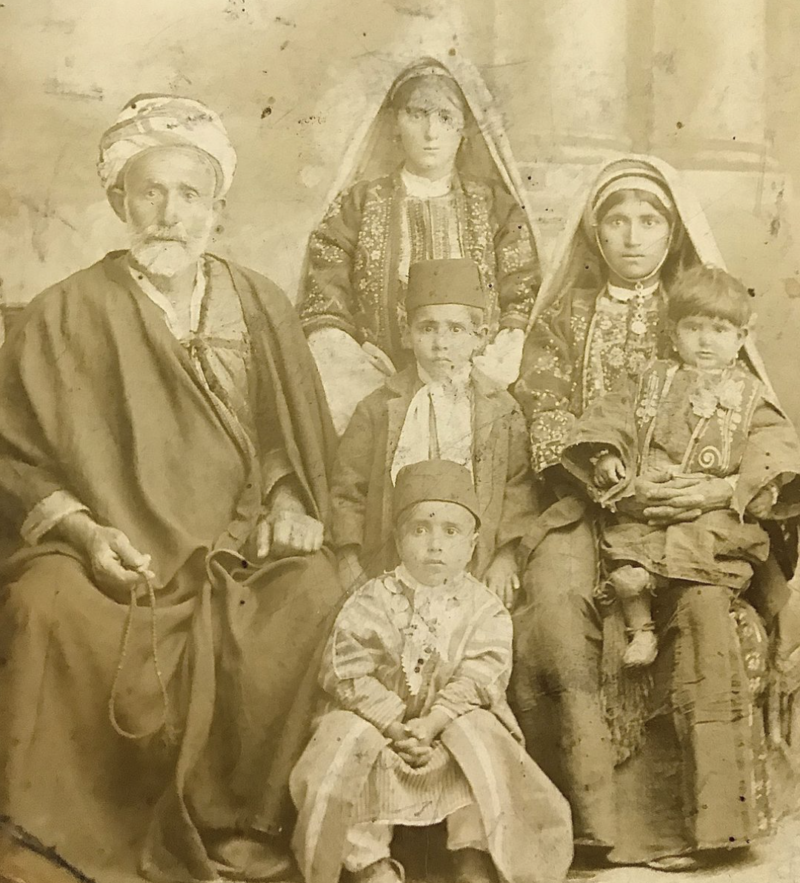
713	86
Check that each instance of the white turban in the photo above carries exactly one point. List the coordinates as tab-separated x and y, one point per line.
149	121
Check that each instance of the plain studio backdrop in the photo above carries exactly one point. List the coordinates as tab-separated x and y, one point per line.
713	86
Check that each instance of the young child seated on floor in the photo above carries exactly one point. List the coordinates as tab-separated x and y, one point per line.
438	407
701	412
415	728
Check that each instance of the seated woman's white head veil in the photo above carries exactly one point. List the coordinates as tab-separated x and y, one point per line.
576	262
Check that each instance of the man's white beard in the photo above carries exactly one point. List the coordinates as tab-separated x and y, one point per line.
160	256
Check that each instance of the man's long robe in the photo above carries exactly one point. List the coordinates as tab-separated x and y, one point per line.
99	399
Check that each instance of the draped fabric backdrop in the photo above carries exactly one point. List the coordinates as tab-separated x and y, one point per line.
713	86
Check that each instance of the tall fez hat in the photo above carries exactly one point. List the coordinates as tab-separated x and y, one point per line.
453	281
442	481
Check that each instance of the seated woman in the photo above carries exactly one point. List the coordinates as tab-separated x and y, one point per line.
433	178
694	781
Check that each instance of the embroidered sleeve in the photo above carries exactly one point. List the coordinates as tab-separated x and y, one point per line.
609	424
327	299
354	655
482	674
545	386
518	270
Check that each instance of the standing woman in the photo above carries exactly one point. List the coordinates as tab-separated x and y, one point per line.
432	177
691	780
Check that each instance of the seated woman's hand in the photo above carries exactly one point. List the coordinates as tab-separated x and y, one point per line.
427	728
502	576
662	497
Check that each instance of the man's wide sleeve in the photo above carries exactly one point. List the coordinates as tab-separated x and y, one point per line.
35	494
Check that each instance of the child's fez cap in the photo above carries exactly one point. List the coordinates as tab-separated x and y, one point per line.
453	281
440	481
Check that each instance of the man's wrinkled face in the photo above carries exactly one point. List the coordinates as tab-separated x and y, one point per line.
170	208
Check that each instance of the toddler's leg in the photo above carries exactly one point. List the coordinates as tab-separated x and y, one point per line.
466	839
368	856
632	585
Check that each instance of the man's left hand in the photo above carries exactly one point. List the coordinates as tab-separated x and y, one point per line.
286	532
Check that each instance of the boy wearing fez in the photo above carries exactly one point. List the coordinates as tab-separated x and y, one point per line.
438	408
415	728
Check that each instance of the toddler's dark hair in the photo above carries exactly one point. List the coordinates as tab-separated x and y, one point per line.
709	291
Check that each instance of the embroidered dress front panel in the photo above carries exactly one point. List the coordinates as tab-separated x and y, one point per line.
398	229
431	227
621	341
697	421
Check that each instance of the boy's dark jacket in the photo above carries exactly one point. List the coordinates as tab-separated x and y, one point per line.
361	483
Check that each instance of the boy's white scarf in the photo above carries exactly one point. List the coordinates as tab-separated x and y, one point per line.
438	423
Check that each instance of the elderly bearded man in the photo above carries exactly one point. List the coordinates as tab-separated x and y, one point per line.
163	450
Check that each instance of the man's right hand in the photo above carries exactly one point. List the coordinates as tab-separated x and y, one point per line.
114	561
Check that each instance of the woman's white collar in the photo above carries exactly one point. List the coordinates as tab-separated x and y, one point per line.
617	292
424	188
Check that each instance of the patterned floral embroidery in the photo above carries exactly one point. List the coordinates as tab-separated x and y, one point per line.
548	360
368	269
614	348
479	239
649	397
725	396
722	408
515	257
754	646
548	432
359	291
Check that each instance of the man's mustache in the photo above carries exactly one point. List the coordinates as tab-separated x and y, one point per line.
164	234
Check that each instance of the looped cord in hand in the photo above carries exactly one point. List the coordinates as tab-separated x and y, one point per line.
165	721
